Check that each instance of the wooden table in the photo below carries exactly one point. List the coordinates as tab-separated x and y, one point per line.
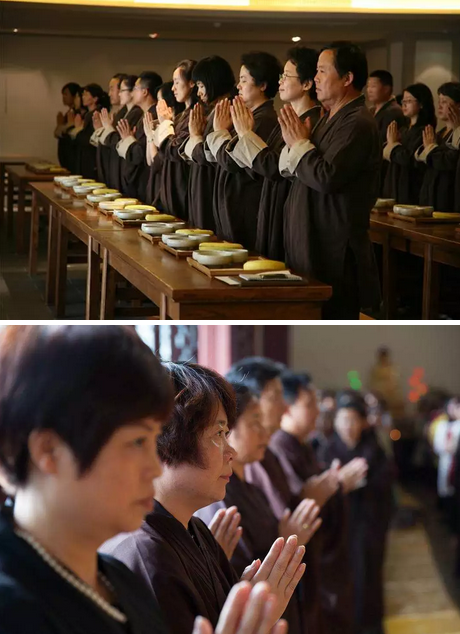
21	177
10	160
180	291
435	243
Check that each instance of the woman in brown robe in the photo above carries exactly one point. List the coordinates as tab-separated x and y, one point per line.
440	152
174	552
237	189
94	99
370	508
259	525
215	81
169	138
404	175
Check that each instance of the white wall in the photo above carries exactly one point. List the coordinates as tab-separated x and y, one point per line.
329	352
34	68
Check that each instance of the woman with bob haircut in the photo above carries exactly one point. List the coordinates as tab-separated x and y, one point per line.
174	552
81	408
215	81
237	190
260	526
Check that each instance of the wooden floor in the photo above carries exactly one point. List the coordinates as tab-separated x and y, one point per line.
416	599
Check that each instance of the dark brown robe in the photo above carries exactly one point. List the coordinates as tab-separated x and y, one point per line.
152	196
270	476
104	153
260	530
438	186
36	599
370	510
275	190
85	151
116	162
185	570
457	188
237	190
201	184
328	210
389	112
335	566
134	171
172	197
404	175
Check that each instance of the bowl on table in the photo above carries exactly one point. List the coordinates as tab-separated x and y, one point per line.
213	258
156	228
129	215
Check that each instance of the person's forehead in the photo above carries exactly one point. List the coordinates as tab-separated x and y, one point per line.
326	58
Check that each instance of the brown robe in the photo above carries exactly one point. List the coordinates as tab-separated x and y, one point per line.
260	530
35	599
185	570
457	188
237	190
103	153
116	162
404	175
335	566
275	190
201	184
328	209
85	152
172	195
438	186
370	510
134	171
389	112
154	183
270	476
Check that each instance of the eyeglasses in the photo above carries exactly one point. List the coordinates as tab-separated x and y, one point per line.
284	76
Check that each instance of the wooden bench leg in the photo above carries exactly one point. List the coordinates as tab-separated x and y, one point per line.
430	302
50	292
388	280
108	288
21	219
93	281
10	204
61	270
34	226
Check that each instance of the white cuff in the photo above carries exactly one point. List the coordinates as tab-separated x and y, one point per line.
423	152
240	161
215	140
284	162
123	146
455	141
95	137
247	148
388	149
106	132
297	152
190	145
162	132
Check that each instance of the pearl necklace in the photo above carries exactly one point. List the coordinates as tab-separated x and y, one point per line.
78	584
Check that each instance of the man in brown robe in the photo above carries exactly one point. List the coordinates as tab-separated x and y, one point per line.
132	146
337	170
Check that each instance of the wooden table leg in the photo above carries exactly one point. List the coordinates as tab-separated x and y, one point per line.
2	194
21	219
388	280
108	287
10	204
163	307
50	292
34	226
61	269
93	281
430	302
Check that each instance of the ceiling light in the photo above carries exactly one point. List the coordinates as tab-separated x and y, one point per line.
296	38
153	35
15	30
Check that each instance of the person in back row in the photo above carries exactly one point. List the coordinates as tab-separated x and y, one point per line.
337	169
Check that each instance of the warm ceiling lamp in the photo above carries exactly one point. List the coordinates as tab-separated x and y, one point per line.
296	38
153	35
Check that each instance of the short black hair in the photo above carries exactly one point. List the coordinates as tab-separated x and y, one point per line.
293	383
423	94
348	399
450	89
243	396
73	88
103	99
349	58
168	95
384	76
306	61
197	393
81	382
264	68
150	81
216	74
130	81
120	77
254	372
